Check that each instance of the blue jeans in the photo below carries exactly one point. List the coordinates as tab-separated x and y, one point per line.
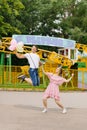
34	76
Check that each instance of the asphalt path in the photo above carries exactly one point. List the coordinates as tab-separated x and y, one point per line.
23	111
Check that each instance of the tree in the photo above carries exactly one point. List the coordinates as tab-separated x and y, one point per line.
9	10
74	24
65	18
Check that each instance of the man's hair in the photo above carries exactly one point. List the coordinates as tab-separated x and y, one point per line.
36	47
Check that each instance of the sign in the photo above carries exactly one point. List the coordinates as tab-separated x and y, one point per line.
44	40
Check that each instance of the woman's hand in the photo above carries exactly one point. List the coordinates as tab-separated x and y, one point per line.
72	74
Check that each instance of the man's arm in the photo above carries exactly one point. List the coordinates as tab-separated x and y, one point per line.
40	63
19	55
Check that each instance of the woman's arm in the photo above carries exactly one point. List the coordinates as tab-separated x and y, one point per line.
67	80
44	70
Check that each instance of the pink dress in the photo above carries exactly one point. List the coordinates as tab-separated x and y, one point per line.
52	90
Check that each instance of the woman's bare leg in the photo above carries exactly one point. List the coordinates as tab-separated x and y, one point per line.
59	104
45	105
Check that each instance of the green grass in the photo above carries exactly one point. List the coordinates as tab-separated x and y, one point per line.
26	87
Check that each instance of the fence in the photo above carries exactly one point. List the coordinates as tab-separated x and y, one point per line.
9	81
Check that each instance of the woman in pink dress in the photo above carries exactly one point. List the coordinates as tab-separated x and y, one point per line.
52	90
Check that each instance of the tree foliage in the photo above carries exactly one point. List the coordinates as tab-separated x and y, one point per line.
65	18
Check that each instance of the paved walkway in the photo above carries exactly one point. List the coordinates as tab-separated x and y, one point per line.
22	111
69	99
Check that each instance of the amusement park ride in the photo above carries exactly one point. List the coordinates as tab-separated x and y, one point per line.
66	56
68	52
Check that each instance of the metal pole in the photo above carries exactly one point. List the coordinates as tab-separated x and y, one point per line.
2	67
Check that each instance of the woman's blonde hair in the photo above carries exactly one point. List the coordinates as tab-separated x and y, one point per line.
60	66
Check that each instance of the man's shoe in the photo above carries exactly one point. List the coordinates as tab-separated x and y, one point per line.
22	77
